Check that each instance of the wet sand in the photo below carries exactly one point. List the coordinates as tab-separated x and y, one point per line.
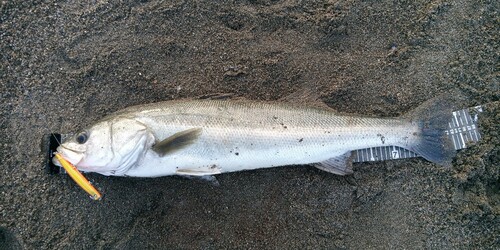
65	65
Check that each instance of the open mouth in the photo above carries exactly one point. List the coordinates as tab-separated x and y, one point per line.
71	155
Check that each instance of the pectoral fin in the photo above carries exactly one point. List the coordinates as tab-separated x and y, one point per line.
341	165
177	141
200	171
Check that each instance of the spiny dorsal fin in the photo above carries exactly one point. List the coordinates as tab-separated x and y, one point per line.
177	141
307	96
340	165
217	96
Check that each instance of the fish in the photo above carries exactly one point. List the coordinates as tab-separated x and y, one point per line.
196	137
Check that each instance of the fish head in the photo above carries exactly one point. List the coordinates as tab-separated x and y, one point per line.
110	147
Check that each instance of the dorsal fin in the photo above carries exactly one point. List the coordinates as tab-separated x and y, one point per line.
217	96
306	96
177	141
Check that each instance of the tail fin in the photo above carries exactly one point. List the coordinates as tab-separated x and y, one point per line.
433	117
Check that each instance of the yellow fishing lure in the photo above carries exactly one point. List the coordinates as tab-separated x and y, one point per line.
79	178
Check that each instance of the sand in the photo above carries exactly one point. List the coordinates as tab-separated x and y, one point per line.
66	64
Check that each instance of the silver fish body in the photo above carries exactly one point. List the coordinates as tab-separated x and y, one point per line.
227	136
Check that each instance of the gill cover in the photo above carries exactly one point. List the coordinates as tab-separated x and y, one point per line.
113	146
130	140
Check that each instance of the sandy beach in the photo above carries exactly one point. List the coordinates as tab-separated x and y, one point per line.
66	64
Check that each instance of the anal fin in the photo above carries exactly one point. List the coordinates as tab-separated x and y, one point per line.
341	165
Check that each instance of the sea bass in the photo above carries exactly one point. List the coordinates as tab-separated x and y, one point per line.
207	137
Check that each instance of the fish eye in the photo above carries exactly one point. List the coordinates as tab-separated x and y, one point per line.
81	138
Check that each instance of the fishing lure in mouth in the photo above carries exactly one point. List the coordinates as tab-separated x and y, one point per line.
78	178
50	142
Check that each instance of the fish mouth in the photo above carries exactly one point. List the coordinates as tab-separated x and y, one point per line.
71	155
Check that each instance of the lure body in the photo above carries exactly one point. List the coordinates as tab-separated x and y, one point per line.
78	178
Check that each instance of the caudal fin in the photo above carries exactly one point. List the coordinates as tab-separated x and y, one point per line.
432	118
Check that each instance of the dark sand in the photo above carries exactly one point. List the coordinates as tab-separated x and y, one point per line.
70	64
